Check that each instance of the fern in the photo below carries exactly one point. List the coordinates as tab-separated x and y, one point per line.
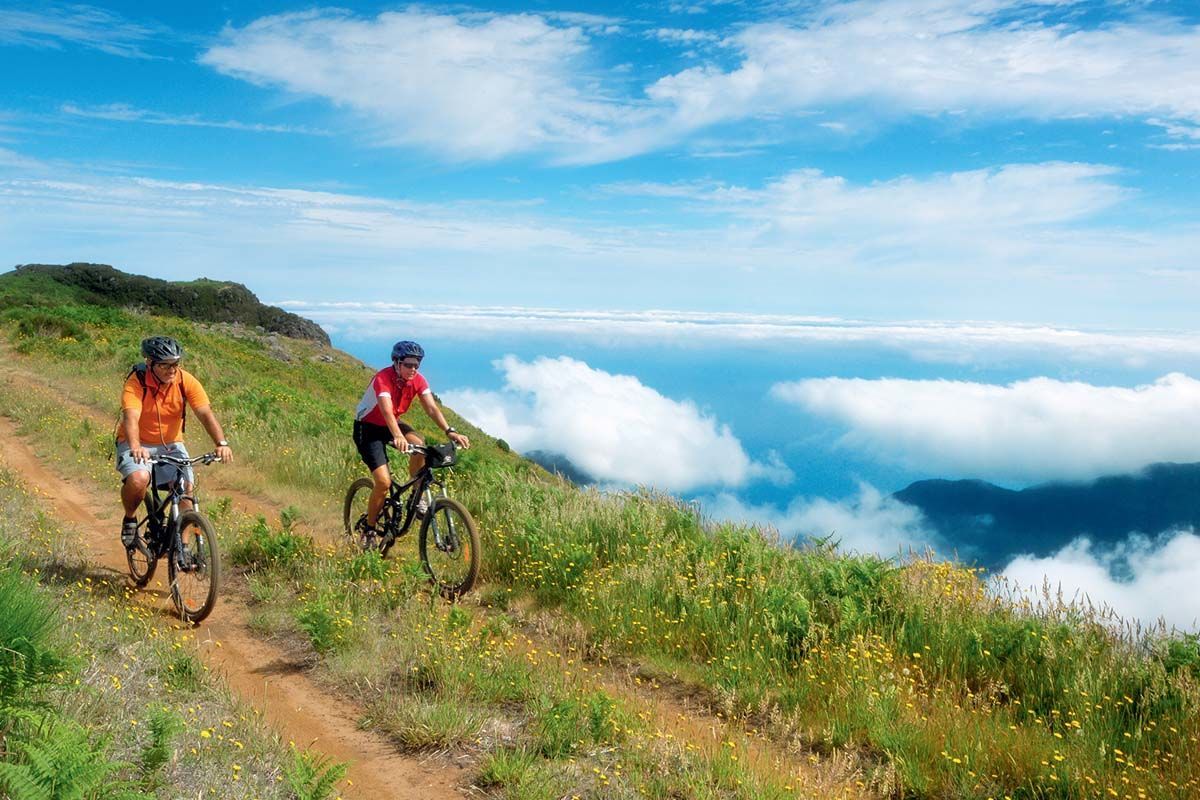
163	727
313	776
62	763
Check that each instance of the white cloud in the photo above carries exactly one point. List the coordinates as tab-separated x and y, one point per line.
613	427
121	112
482	86
954	206
330	220
474	86
1029	430
869	523
684	36
934	57
87	26
14	160
1160	578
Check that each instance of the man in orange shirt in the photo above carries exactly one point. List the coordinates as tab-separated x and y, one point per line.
153	415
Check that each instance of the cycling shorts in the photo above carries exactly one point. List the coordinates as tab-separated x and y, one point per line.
127	466
372	441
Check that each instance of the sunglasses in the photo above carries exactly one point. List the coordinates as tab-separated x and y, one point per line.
409	364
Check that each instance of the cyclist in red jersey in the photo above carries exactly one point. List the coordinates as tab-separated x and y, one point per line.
376	421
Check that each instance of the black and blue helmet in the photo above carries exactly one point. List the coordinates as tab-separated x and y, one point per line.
407	349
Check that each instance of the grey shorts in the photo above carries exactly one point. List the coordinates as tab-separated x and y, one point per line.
127	466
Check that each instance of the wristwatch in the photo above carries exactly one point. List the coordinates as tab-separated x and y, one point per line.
450	430
222	443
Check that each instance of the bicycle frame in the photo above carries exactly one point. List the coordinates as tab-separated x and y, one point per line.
395	501
163	535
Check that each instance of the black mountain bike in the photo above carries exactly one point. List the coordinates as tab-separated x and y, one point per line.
448	542
186	538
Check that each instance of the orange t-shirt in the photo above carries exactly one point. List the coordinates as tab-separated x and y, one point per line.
162	413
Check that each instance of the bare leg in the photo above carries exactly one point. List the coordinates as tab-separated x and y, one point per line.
133	490
417	460
383	481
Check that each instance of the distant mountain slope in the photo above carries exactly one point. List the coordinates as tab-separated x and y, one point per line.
203	299
991	523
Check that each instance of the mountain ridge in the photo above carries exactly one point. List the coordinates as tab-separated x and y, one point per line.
991	523
203	299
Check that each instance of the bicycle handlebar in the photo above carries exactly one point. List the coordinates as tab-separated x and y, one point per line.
416	448
165	458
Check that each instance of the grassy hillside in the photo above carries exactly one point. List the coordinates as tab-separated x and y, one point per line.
203	299
926	684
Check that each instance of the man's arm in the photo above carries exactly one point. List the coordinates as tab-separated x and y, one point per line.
431	408
209	420
131	419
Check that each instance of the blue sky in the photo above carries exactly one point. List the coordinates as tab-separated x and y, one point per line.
918	159
948	238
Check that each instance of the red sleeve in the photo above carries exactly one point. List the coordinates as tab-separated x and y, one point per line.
382	385
422	384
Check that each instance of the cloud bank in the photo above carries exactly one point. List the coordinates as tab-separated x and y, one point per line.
869	523
611	426
1160	580
956	342
1030	430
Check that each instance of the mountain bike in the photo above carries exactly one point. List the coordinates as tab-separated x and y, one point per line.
185	537
448	542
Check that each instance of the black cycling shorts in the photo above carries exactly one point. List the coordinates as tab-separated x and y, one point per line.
372	441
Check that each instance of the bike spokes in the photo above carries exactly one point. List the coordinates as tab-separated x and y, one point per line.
450	547
195	568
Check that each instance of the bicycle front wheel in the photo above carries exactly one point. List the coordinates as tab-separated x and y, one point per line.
449	547
195	572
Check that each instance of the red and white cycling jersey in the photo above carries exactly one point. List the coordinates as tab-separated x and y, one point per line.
387	382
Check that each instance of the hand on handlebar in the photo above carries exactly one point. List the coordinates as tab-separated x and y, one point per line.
459	439
224	454
140	454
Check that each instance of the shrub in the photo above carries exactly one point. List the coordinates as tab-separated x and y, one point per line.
264	548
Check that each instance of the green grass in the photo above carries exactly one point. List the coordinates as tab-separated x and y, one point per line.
938	687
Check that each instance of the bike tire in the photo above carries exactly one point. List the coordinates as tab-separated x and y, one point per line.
357	497
142	563
195	591
451	571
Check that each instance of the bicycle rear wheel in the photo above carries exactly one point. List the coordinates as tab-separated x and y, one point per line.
449	547
196	575
141	559
354	512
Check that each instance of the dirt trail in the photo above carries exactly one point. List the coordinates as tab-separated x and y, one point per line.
297	708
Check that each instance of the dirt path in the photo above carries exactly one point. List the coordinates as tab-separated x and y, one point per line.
297	708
